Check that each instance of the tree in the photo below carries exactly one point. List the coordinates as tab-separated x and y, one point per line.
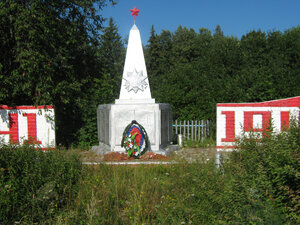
198	70
218	32
158	56
112	55
105	86
184	48
152	53
48	55
256	79
289	82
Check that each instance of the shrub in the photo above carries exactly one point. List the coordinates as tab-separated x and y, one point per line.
34	184
267	173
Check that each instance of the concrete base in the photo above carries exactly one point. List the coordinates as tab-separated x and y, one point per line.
112	119
102	149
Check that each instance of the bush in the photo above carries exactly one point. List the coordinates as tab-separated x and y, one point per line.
34	184
266	173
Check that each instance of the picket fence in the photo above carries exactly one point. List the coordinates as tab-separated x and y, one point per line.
196	130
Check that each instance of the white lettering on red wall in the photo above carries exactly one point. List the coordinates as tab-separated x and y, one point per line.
31	124
236	119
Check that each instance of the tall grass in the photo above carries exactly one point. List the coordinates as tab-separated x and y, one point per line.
172	194
205	143
35	184
257	184
269	170
176	194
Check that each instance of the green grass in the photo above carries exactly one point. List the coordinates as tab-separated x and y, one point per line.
207	142
35	185
258	184
169	194
175	194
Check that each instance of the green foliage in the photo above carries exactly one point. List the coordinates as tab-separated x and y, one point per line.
207	142
103	89
152	195
269	170
112	56
195	71
50	56
185	193
35	184
258	184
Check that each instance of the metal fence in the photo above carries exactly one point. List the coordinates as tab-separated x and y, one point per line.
196	130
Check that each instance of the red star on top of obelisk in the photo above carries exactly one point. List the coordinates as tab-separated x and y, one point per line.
134	12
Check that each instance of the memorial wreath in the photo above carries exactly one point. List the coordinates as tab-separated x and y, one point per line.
135	140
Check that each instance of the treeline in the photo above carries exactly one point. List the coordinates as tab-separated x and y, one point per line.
194	71
59	53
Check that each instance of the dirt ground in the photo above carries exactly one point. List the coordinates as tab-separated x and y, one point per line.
188	154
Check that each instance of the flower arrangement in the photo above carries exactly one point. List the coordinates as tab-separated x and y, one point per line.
135	140
130	145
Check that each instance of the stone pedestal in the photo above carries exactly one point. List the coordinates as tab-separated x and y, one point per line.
112	119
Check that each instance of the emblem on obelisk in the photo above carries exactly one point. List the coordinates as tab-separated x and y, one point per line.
135	80
134	12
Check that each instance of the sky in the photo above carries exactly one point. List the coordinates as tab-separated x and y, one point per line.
236	17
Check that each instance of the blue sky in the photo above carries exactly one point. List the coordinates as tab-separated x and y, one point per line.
236	17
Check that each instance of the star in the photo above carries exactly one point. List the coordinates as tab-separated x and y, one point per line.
134	11
135	81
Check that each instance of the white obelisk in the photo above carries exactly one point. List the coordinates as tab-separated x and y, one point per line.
134	103
135	84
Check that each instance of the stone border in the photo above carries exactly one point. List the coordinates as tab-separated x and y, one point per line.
131	163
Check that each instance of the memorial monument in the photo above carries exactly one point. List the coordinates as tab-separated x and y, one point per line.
134	104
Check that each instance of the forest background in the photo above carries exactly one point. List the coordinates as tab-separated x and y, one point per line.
59	53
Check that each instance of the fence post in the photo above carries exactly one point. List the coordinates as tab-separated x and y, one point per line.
218	159
188	129
192	130
180	140
202	130
208	128
180	128
184	125
199	131
196	130
205	128
176	128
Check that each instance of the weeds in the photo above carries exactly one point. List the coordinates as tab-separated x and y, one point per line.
135	195
35	184
258	184
205	143
269	169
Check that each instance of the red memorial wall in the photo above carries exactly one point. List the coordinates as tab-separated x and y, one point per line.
27	124
236	119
